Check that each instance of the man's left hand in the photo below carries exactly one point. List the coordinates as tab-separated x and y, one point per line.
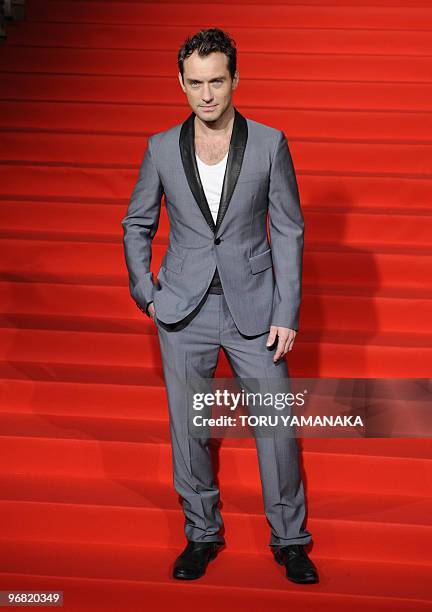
286	338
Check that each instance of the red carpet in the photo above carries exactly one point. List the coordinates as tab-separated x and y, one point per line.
87	502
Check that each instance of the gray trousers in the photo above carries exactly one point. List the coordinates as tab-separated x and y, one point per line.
190	348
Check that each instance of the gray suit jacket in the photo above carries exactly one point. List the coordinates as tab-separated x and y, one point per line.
261	280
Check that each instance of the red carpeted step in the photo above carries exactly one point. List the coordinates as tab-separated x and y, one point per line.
87	307
318	14
332	94
327	66
152	426
88	595
275	39
354	361
99	403
131	349
120	151
318	188
132	460
236	498
142	347
43	259
69	221
106	308
231	571
300	124
156	526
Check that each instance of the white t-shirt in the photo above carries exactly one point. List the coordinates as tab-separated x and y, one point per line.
212	179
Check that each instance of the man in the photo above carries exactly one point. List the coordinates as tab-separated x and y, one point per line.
221	284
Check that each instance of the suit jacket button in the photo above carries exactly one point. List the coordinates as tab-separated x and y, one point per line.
217	240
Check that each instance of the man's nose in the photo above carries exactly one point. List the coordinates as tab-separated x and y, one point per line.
207	95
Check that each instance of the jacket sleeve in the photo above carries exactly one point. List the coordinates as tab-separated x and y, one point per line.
286	226
139	227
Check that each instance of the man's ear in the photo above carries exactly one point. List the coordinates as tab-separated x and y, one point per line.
180	78
236	79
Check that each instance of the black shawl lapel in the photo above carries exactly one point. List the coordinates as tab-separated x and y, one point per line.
234	163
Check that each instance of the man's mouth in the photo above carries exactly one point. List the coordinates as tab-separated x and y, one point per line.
209	108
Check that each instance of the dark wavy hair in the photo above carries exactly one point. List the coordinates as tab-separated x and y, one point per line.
206	42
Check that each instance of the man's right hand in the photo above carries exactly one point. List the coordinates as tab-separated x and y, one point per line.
151	310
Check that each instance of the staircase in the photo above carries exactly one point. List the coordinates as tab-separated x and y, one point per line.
87	502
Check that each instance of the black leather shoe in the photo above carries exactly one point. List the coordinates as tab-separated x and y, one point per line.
192	562
299	568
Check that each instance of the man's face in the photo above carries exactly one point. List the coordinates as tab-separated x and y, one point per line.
208	85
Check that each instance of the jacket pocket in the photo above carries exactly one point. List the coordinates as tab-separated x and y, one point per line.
261	262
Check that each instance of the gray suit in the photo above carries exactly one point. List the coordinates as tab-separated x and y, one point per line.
221	285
